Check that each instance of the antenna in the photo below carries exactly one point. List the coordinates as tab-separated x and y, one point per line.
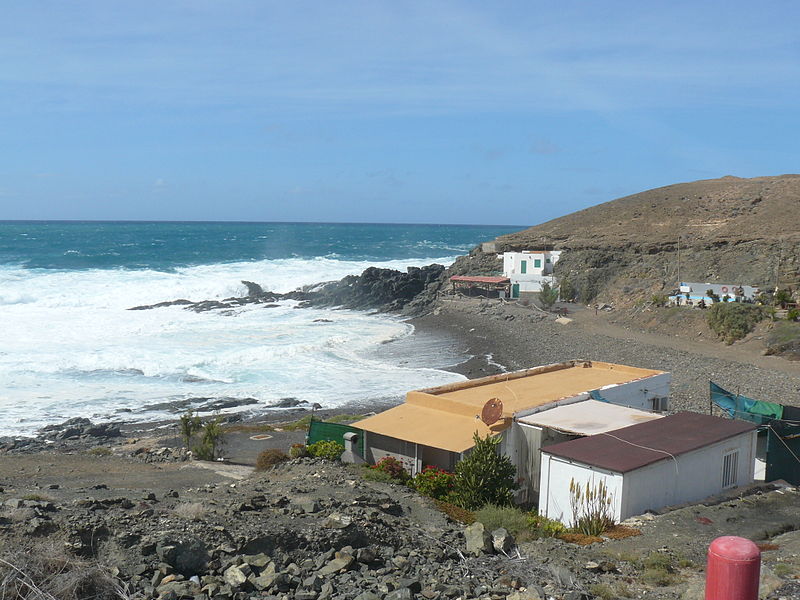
492	411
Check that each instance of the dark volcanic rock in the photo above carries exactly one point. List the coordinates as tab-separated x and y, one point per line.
382	289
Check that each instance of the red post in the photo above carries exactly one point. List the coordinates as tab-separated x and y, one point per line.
733	570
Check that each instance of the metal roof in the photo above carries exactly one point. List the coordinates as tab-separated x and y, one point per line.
639	445
589	417
480	279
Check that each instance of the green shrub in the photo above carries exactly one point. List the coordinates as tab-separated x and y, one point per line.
298	450
568	292
734	320
393	468
512	519
210	446
548	296
269	458
370	474
434	482
543	527
327	449
484	476
190	424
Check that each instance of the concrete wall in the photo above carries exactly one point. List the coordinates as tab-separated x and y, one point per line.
688	478
555	479
376	446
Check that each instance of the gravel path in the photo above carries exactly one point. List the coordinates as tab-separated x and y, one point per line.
517	337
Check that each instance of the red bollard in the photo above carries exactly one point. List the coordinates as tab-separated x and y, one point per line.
733	570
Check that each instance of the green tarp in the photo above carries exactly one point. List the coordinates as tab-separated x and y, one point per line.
742	407
320	430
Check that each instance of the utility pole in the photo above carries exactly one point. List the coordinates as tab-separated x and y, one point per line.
679	262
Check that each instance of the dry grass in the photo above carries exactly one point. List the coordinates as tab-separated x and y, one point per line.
458	514
581	539
619	532
44	571
191	511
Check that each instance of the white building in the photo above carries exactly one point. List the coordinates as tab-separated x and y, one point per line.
690	294
435	426
529	269
681	458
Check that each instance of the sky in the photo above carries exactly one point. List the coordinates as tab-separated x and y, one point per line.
411	112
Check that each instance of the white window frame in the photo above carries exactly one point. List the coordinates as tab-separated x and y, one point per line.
730	469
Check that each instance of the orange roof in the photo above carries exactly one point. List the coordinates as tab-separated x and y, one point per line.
447	416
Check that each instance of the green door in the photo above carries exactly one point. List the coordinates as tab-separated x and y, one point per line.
523	266
515	289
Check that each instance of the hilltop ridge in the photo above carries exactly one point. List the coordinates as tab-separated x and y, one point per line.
728	229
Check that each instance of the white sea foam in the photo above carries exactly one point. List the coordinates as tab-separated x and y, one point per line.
70	348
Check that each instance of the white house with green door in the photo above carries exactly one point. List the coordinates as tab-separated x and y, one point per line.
529	269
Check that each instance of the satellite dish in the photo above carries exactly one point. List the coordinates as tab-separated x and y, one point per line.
492	411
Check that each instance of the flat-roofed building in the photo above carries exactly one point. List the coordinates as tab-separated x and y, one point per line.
436	426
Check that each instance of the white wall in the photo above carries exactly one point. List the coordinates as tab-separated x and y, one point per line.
554	496
690	477
638	394
693	476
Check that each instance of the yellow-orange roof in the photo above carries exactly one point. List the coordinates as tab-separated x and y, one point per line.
446	417
429	427
535	387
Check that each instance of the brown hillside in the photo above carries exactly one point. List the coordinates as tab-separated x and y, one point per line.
744	231
729	209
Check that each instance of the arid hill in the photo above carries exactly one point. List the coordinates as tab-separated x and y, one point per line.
744	231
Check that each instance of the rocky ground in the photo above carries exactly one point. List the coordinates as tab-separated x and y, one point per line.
315	530
515	337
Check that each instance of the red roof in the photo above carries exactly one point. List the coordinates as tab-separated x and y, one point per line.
636	446
480	279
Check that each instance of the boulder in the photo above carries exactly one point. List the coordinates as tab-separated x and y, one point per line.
478	539
502	541
187	555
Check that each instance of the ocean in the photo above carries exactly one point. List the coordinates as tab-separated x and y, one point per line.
69	347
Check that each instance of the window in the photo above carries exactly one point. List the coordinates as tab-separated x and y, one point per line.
523	266
730	465
547	261
537	263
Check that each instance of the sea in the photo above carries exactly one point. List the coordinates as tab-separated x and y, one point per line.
69	346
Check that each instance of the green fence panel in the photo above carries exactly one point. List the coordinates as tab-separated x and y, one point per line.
783	452
320	430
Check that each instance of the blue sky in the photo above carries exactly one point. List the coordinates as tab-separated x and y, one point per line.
445	112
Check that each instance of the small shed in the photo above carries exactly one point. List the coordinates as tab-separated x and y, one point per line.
563	423
482	285
684	457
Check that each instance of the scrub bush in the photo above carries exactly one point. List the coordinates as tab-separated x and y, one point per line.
544	527
484	476
370	474
269	458
511	519
434	482
298	451
733	320
326	449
